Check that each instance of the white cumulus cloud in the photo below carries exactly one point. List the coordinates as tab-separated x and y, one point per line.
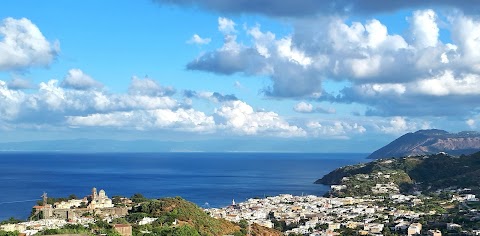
10	102
335	129
226	26
150	87
146	106
449	84
196	39
180	119
304	107
425	31
23	45
240	117
400	125
77	79
19	83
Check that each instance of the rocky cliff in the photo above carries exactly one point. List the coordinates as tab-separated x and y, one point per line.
424	142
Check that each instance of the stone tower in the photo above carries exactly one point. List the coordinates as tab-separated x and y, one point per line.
94	194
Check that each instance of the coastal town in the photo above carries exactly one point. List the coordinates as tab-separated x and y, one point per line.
388	213
313	215
378	198
370	203
83	212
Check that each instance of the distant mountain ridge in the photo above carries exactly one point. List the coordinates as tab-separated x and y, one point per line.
240	144
425	142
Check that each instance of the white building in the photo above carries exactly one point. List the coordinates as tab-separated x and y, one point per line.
100	201
414	229
147	220
70	203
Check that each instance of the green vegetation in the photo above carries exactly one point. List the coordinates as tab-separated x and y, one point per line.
118	201
177	216
52	200
256	229
5	233
360	185
138	198
67	229
438	177
429	173
11	220
100	227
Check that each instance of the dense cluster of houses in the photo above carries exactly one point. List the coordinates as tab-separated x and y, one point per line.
307	213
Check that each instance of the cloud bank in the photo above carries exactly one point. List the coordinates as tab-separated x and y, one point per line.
79	102
302	8
392	74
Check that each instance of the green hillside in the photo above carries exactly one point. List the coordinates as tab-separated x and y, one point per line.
188	217
425	173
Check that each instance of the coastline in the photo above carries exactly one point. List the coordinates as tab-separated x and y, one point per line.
215	178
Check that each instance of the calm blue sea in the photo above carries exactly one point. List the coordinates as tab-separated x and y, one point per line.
213	178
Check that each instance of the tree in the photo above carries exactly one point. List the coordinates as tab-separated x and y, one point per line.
239	233
387	231
321	226
40	215
138	197
347	231
185	230
102	227
279	225
5	233
243	224
117	200
119	221
11	220
135	217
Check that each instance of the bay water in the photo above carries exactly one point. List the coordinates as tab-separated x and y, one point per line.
207	179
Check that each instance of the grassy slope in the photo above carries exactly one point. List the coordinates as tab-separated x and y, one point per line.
169	209
435	171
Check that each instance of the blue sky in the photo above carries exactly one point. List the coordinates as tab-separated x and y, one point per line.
344	76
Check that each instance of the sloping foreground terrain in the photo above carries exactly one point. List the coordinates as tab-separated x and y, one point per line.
176	213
